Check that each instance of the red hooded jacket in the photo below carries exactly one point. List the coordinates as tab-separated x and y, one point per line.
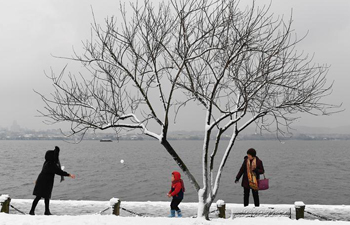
177	186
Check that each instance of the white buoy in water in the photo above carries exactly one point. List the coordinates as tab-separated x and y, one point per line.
122	161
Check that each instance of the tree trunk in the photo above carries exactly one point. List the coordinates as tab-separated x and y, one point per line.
181	164
203	205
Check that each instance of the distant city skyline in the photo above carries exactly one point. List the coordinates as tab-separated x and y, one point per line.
33	32
302	133
345	129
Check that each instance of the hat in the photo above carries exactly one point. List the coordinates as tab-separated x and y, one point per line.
53	155
49	156
251	152
177	175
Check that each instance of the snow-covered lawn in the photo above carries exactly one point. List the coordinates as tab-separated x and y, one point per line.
87	212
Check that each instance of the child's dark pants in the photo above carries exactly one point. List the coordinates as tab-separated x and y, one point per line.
175	204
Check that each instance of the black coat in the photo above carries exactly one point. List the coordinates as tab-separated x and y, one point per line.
44	183
243	171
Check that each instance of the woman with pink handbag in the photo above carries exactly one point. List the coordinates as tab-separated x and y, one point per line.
251	169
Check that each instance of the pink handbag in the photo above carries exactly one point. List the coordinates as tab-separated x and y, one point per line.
263	184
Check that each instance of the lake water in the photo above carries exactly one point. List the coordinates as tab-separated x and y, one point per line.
316	172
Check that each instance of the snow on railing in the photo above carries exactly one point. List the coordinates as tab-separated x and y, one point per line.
115	204
299	210
220	204
5	203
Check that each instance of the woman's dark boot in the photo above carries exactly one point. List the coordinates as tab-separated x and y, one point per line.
35	202
47	207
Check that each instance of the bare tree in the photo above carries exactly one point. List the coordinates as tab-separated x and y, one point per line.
240	66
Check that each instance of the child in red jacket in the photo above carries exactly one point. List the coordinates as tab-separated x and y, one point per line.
177	192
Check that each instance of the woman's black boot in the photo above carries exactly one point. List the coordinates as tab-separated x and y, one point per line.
47	207
35	202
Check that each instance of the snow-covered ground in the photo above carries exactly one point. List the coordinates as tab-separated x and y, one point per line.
106	220
88	212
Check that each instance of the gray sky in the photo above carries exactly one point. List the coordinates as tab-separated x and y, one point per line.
32	31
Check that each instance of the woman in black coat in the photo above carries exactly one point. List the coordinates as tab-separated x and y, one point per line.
44	183
251	169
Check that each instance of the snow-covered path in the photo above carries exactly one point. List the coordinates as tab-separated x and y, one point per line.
87	212
161	209
8	219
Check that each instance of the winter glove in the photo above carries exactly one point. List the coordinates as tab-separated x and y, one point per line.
236	181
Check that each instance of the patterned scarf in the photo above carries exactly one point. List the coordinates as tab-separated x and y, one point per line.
253	182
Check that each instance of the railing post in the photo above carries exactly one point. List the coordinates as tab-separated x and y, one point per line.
115	204
299	210
5	203
220	204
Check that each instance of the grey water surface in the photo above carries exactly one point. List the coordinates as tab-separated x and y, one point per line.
316	172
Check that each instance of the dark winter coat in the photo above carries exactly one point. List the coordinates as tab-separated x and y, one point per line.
243	171
177	186
44	183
